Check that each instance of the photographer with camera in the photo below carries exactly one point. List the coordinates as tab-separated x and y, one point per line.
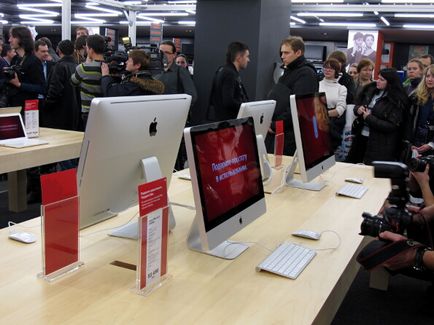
26	77
136	81
397	223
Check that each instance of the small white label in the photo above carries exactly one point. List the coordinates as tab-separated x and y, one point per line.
32	123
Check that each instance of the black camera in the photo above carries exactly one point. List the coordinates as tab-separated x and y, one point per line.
9	72
395	218
419	164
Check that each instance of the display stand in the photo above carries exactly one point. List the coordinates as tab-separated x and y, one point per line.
279	142
60	239
60	225
151	172
153	236
289	180
266	170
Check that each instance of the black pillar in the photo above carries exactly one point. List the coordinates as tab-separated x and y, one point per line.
261	24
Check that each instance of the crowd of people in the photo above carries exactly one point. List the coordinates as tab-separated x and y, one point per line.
387	112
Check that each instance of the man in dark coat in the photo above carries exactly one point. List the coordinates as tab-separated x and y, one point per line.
62	109
228	92
137	81
299	78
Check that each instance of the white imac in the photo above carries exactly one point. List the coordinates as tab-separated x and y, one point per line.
314	153
128	141
262	113
227	184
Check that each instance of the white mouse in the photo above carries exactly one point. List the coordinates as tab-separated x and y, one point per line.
307	234
24	237
354	180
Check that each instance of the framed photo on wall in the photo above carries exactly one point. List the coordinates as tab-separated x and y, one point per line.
416	51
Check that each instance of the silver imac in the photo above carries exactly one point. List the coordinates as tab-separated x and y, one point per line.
262	113
314	153
227	185
120	133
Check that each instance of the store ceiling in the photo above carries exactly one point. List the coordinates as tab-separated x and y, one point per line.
313	21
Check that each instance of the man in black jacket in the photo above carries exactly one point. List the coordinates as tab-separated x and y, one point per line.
299	78
228	92
137	81
62	109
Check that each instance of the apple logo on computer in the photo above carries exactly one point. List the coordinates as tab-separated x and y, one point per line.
153	127
261	119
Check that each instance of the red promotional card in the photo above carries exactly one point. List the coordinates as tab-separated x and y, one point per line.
59	186
31	104
152	196
154	230
278	144
60	220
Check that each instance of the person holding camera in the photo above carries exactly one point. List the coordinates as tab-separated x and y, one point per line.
27	81
137	80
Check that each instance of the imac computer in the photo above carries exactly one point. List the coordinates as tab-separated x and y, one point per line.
128	141
314	153
262	113
227	185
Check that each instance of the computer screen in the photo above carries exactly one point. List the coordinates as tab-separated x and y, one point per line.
120	132
226	178
262	113
312	134
11	126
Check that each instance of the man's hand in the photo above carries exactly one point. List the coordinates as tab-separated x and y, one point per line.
423	148
422	177
104	69
388	235
15	81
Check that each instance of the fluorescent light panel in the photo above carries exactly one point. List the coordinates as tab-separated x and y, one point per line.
385	21
317	1
174	14
330	14
301	21
366	25
405	1
187	22
181	2
418	26
414	15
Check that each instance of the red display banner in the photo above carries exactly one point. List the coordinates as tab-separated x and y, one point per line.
278	144
60	220
153	232
31	104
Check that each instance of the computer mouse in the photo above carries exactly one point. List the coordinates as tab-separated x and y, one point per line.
23	237
307	234
354	180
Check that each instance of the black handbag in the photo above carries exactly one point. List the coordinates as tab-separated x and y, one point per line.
357	126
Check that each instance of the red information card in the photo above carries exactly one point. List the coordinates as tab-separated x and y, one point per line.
60	220
154	230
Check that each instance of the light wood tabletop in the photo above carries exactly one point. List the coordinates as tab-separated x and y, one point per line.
201	289
62	145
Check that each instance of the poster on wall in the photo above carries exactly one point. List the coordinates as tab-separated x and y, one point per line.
416	51
362	44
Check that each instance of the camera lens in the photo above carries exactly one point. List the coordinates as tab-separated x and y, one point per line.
417	165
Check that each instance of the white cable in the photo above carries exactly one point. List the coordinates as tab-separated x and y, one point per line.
332	248
14	224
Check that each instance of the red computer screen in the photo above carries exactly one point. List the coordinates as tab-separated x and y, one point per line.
228	171
10	127
314	128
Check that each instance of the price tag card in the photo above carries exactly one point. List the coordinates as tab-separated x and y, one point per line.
278	144
31	117
153	234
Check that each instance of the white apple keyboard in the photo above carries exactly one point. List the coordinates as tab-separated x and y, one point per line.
287	260
352	190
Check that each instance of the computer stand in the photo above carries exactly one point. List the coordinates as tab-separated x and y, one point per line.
227	250
151	172
266	170
289	180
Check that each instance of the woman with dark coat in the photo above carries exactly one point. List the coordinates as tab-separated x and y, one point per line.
380	111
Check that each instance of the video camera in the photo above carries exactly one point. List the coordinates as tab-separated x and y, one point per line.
395	218
9	72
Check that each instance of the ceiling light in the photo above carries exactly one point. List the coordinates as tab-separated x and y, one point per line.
330	14
414	15
86	22
301	21
384	20
138	23
187	22
365	25
182	2
406	1
180	14
95	6
376	13
89	18
193	12
131	3
38	5
418	26
317	1
4	22
154	20
292	24
37	22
